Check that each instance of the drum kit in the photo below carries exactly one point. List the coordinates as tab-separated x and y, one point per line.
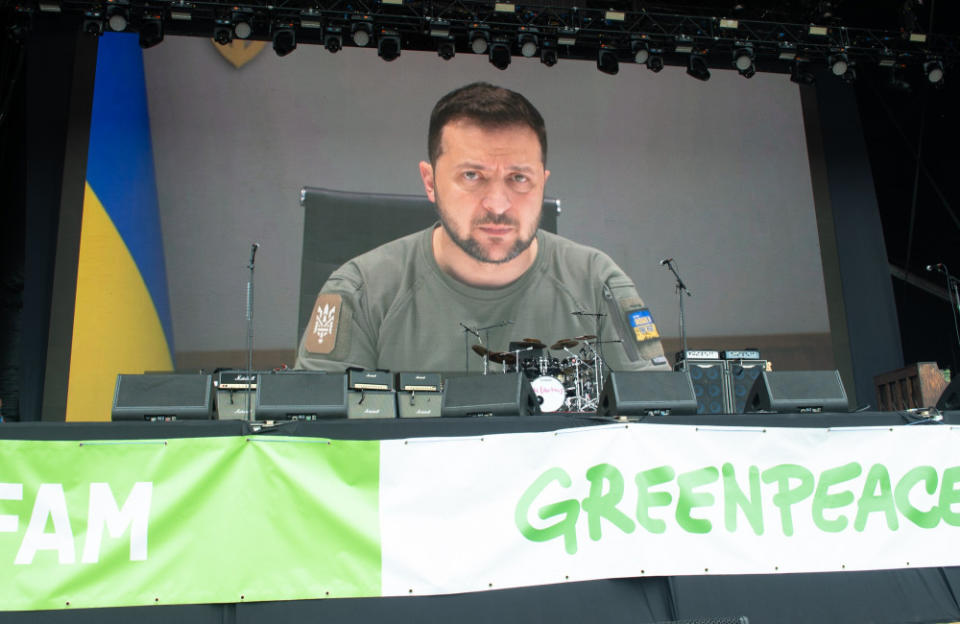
562	384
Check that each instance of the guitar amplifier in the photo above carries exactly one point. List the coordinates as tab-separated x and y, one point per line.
235	390
419	395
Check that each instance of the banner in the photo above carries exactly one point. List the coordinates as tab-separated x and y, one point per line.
488	512
222	520
206	520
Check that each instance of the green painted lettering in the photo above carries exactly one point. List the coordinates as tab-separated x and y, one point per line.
569	509
877	497
647	499
901	495
598	505
734	498
823	499
687	499
786	496
950	495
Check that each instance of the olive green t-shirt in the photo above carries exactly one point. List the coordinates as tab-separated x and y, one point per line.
394	308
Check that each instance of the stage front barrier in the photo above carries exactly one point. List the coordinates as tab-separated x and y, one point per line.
161	520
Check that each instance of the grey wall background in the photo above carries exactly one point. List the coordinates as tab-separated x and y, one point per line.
647	165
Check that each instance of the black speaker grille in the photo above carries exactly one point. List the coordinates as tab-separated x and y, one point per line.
301	393
707	382
160	390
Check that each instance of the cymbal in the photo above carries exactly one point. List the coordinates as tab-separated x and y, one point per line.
481	350
565	343
586	337
502	357
532	342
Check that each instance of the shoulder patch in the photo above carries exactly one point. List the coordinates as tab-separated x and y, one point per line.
641	322
322	331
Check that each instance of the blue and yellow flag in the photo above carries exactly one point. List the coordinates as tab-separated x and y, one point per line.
122	313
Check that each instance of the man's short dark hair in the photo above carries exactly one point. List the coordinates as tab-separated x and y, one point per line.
489	107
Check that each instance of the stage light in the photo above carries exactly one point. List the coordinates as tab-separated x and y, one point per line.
567	37
548	55
117	19
478	41
446	50
799	76
151	30
180	11
887	58
641	52
242	29
697	68
388	45
655	62
332	39
839	63
788	52
607	61
743	61
850	76
684	44
934	71
528	44
49	7
500	55
222	32
93	23
284	38
361	35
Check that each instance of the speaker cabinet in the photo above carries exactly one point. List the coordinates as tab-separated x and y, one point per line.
710	385
652	392
301	395
489	395
419	404
798	391
163	396
372	404
742	374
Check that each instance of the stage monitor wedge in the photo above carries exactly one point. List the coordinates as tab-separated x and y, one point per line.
641	393
301	395
489	395
163	396
798	392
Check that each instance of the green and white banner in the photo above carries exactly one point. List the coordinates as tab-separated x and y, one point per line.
210	520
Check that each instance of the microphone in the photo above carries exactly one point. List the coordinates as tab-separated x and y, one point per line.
666	261
253	251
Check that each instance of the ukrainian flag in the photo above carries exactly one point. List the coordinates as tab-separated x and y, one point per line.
122	313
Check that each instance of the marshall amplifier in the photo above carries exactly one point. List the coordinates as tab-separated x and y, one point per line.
235	390
419	395
358	379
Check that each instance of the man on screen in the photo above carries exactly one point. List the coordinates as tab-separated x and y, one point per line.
404	305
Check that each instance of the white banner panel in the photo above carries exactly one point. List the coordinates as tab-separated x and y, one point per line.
467	514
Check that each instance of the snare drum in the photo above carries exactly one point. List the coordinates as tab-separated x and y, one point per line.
551	392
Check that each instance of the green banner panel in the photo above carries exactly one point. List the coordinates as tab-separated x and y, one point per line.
191	520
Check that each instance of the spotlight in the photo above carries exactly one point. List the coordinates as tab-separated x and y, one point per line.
799	76
93	23
361	35
655	62
242	29
478	41
697	67
528	44
222	32
548	54
500	54
151	30
607	61
684	44
332	40
446	50
743	61
117	19
284	38
934	71
839	63
641	52
388	45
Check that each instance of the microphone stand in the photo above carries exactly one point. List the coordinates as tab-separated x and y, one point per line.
681	290
253	255
954	295
486	332
466	348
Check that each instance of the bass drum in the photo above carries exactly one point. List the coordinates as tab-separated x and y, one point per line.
550	391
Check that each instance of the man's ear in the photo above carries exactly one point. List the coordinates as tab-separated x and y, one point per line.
426	174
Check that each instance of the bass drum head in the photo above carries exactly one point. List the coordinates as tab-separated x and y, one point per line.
551	392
